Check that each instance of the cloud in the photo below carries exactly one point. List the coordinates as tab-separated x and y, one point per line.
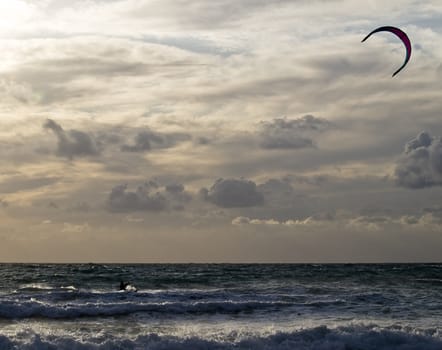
202	140
278	193
308	221
233	193
199	14
75	228
434	211
283	133
177	196
148	139
367	223
420	165
121	200
244	220
130	218
370	223
427	221
72	143
274	197
149	196
73	70
142	143
312	180
175	188
276	187
25	183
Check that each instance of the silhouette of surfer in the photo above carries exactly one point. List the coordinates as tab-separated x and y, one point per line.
127	287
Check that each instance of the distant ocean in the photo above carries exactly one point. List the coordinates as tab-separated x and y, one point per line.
221	306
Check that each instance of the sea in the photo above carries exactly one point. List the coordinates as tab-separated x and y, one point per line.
221	306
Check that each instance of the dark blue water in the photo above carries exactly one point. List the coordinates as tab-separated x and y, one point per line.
221	306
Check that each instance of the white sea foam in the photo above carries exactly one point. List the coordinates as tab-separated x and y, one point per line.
323	338
34	287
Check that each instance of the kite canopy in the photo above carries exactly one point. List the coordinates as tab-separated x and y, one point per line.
401	35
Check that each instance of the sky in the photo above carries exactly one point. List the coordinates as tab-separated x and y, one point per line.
219	131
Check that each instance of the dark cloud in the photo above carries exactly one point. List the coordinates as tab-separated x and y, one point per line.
283	133
148	139
231	193
422	140
177	196
274	198
276	187
149	196
420	165
108	137
121	200
72	143
142	143
175	188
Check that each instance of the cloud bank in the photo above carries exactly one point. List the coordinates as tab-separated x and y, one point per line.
420	165
149	196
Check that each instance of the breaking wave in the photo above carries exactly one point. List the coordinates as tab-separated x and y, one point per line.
324	338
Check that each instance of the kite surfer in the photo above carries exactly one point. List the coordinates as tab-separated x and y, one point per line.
126	286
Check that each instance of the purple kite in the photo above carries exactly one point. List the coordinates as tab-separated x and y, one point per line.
401	35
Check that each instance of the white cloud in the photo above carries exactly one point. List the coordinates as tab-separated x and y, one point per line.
75	228
420	164
363	222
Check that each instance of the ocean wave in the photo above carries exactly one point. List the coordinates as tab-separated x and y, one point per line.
433	281
38	309
33	287
322	337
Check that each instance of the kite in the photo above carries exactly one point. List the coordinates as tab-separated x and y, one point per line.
401	35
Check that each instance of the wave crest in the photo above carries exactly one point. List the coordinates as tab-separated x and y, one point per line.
322	337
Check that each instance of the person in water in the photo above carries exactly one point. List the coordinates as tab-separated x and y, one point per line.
123	285
127	286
